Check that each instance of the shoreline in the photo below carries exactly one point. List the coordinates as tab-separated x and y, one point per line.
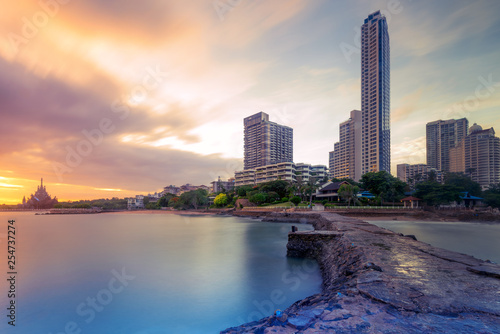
377	281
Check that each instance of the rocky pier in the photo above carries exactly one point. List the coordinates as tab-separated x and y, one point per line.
377	281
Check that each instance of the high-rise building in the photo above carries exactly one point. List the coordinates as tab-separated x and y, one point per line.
375	95
266	142
457	158
441	136
347	152
331	162
482	156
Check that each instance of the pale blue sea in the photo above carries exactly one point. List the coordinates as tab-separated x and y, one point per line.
148	273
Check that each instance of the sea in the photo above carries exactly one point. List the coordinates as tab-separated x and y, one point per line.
147	273
481	240
144	273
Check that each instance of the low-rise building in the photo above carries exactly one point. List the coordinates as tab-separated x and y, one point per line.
219	185
329	191
171	190
135	203
413	174
287	171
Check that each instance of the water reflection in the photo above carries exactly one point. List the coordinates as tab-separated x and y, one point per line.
191	274
476	239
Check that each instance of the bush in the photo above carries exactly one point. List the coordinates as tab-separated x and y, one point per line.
220	200
273	196
284	199
295	200
258	198
230	206
324	202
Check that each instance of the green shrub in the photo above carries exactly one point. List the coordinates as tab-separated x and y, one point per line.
295	200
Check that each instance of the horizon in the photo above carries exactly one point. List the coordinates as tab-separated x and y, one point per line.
116	99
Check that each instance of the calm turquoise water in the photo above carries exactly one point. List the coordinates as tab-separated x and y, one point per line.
480	240
149	273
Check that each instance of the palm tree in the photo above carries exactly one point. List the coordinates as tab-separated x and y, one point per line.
348	192
311	186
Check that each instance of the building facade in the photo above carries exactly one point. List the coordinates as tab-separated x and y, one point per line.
265	142
413	174
219	185
441	136
347	151
375	95
287	171
457	158
482	156
331	162
135	203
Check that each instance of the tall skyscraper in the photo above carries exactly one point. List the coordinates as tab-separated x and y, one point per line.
375	95
482	156
266	142
347	152
441	136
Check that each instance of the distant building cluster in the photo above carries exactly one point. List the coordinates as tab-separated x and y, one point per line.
365	141
137	202
454	147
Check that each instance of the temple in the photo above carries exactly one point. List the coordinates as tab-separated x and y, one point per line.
40	200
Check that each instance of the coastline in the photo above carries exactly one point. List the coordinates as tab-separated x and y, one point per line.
378	281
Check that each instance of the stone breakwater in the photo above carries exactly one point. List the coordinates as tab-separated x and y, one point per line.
377	281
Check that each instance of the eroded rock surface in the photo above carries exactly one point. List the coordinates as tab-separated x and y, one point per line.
377	281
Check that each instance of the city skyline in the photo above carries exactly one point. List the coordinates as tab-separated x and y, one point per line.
159	89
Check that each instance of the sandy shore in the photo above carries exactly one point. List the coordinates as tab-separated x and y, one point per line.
165	212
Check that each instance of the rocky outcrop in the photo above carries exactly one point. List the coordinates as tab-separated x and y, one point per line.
377	281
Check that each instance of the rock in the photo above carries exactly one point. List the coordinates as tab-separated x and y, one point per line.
300	322
385	284
486	270
411	236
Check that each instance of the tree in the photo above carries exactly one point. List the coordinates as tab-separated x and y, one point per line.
384	185
173	201
463	182
258	198
298	185
434	193
278	186
273	196
220	200
163	201
152	206
243	191
492	196
311	186
296	200
348	192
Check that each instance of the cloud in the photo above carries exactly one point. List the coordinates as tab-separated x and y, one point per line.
410	151
407	105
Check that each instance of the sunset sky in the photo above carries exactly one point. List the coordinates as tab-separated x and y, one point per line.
161	87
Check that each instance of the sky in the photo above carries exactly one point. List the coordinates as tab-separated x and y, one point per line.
112	98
